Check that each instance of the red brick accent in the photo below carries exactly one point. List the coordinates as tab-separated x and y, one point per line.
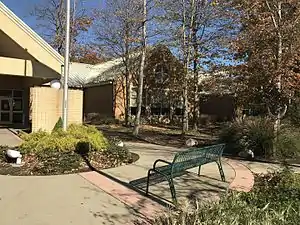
244	179
143	205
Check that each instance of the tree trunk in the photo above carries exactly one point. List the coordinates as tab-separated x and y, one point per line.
141	76
185	119
127	79
279	59
196	81
186	52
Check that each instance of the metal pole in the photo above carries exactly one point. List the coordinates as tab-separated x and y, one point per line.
66	67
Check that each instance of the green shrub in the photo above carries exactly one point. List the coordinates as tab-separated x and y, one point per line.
62	141
89	134
58	125
288	143
256	134
275	200
293	113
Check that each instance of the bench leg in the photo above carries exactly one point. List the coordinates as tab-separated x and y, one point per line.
173	191
199	170
221	170
148	181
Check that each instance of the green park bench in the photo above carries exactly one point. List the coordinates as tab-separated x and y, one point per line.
195	157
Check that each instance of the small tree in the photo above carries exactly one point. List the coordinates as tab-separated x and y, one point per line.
58	125
268	46
51	17
118	34
142	68
200	31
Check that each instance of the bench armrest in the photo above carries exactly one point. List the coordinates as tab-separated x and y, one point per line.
160	160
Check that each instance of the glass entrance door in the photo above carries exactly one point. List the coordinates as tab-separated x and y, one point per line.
5	110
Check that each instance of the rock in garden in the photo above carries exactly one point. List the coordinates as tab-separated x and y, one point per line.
14	154
191	142
166	121
247	154
120	143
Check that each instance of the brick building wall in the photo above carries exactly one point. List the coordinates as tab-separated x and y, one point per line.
119	99
98	100
105	100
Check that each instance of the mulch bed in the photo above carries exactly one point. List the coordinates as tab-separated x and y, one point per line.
56	163
160	136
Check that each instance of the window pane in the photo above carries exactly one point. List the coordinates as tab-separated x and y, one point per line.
5	117
17	117
18	93
18	105
5	105
6	93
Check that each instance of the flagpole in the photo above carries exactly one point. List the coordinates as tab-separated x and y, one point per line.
66	67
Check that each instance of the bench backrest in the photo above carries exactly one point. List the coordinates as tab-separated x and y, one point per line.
196	156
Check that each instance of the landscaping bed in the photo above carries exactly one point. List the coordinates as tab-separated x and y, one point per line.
275	199
80	149
166	136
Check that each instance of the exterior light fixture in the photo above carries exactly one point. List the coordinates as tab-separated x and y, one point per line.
56	84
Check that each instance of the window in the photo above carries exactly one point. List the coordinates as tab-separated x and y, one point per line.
17	117
6	93
161	74
18	93
18	104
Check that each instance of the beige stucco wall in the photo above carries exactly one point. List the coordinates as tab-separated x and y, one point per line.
13	66
46	107
28	40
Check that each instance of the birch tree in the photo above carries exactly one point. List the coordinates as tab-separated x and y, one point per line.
200	30
175	21
117	30
142	68
213	30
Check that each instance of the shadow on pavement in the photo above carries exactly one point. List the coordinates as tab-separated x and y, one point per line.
129	186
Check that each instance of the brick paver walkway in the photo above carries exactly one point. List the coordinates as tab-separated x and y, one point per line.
206	187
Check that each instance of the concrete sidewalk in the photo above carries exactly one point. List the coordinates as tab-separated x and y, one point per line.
54	200
188	186
107	197
264	167
8	138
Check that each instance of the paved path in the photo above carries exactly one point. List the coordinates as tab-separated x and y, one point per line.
7	138
107	197
55	200
189	185
263	168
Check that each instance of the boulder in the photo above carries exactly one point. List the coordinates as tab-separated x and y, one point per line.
120	143
191	142
15	155
247	154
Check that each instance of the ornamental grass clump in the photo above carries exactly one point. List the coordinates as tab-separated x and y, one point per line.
274	200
